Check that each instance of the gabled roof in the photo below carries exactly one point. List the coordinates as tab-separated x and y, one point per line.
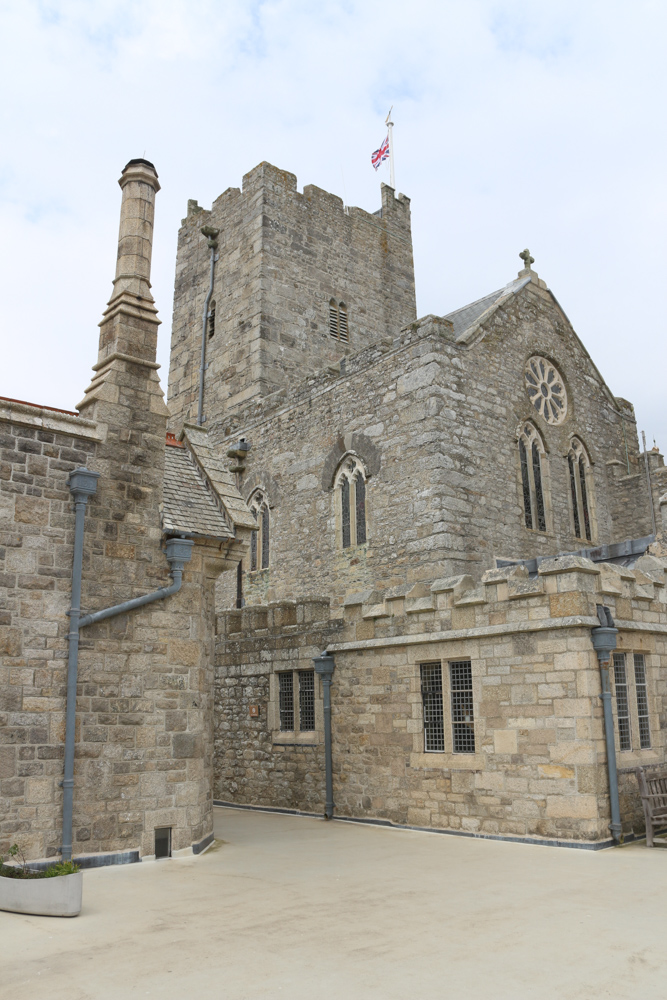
220	478
189	506
468	318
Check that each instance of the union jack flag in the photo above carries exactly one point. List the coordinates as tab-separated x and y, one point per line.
381	154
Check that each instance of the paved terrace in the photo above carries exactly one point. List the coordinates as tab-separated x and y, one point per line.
291	907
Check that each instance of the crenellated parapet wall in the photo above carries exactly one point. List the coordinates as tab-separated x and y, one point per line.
538	768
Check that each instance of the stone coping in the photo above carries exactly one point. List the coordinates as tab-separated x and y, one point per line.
48	419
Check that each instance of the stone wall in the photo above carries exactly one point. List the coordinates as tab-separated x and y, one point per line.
539	767
283	255
435	420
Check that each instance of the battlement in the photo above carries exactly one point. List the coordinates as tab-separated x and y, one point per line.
300	281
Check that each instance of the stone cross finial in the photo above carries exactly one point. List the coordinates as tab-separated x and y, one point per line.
527	259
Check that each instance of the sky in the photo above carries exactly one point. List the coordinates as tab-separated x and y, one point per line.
517	125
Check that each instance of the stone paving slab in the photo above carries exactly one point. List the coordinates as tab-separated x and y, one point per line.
286	906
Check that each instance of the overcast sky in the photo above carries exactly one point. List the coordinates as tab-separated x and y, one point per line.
517	124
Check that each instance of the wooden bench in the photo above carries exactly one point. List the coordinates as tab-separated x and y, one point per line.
653	790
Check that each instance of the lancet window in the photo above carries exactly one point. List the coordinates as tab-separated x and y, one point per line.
350	491
211	320
581	489
338	321
532	462
260	540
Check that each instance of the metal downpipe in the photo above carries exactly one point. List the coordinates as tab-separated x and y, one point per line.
324	666
83	484
604	642
211	234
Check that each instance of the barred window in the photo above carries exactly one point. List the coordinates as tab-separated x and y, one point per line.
306	700
642	701
350	491
431	689
622	702
463	729
338	328
581	487
531	463
260	540
286	700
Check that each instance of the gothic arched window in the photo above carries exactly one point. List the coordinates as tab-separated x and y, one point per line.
338	321
532	462
350	492
581	489
260	540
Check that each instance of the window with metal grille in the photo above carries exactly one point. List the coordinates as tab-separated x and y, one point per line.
642	701
622	702
265	537
306	700
434	725
345	510
286	701
525	482
539	496
360	502
463	729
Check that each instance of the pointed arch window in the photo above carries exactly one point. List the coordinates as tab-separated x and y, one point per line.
350	493
338	328
532	463
580	475
260	540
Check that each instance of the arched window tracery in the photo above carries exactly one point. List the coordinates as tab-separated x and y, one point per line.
260	540
581	489
350	492
532	460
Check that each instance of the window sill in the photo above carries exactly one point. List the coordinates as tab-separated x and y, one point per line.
448	761
282	737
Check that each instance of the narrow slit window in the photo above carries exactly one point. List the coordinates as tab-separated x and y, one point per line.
573	492
642	701
622	702
306	700
345	511
211	320
265	537
431	690
463	719
253	548
584	499
239	584
333	319
539	496
342	323
286	701
360	502
525	482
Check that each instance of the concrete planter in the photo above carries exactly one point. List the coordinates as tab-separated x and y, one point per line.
59	896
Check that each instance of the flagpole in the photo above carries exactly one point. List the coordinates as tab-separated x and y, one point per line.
390	126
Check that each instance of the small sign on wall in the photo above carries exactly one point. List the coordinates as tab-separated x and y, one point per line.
253	711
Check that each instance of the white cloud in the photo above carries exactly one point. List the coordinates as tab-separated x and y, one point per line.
516	125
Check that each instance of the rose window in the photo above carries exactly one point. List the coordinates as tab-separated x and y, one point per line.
546	390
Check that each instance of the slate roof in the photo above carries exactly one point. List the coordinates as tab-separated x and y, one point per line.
188	504
222	480
467	317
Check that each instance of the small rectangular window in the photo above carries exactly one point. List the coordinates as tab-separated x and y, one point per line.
286	701
622	703
163	842
642	701
431	688
460	673
306	700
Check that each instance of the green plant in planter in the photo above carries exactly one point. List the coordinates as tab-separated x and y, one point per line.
21	869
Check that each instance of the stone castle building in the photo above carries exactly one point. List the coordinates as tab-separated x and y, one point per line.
449	506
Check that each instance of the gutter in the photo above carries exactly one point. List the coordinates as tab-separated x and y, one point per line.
83	484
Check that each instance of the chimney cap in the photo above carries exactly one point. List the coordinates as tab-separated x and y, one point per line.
140	159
